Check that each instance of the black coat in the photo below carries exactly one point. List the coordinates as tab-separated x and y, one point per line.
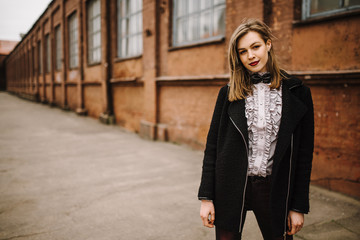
224	173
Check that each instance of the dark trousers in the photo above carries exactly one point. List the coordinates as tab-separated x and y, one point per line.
257	199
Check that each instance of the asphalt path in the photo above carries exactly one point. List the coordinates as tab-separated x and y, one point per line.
63	176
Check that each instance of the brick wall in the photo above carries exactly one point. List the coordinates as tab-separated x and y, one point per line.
168	92
336	158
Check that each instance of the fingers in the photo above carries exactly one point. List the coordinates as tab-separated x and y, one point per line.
294	229
289	223
207	214
208	221
295	222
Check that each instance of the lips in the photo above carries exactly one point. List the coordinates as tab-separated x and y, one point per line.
254	63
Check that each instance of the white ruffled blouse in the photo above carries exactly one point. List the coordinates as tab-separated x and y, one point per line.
263	113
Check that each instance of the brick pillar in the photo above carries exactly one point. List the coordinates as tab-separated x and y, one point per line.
36	62
52	62
64	55
281	24
82	58
43	58
150	36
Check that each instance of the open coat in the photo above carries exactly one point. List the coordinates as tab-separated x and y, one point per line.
224	173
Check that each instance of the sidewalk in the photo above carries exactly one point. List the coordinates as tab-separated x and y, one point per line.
63	176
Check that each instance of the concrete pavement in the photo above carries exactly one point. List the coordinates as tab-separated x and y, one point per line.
63	176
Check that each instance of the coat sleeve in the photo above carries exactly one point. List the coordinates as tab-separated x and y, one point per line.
207	184
300	196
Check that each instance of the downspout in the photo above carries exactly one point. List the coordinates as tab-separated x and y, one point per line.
108	116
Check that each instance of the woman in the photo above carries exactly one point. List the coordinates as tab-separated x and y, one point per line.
260	143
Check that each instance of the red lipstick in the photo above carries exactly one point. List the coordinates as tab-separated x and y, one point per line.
254	63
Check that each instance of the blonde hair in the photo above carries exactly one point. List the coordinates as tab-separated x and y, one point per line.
240	84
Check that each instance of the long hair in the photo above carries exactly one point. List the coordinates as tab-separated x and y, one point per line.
240	84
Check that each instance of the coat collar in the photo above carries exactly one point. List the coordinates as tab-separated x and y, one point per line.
292	112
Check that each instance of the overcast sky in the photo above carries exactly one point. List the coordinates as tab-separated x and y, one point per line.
18	16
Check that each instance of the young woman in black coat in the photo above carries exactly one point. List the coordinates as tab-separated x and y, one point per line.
260	143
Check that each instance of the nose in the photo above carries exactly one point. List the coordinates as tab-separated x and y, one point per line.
250	54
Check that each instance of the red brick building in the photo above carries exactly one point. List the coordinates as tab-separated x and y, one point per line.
5	48
155	67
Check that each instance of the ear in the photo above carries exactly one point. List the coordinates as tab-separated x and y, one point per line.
268	44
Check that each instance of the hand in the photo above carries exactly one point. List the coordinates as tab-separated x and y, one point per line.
295	222
207	213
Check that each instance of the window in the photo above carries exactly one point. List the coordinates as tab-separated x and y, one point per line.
319	8
129	32
94	31
58	48
48	53
196	21
40	63
73	41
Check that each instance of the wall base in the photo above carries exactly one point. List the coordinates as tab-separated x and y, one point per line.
107	119
81	111
147	130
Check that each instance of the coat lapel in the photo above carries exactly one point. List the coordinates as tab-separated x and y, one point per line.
236	112
292	112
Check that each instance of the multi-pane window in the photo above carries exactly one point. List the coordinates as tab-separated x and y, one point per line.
94	31
318	8
48	53
129	32
40	57
73	41
198	20
58	48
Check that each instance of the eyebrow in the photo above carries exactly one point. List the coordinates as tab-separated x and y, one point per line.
250	45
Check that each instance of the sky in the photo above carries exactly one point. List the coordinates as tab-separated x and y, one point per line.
18	16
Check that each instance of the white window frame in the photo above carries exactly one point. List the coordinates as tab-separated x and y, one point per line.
94	31
58	48
196	27
306	10
73	41
129	43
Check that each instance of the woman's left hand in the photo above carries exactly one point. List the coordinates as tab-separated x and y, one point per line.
295	222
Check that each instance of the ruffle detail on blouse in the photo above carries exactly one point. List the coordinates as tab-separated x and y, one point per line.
273	106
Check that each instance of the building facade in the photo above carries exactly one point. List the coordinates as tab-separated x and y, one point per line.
6	47
155	67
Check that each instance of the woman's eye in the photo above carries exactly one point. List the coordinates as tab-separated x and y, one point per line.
242	52
255	47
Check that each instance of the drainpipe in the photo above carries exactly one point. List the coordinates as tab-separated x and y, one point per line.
107	116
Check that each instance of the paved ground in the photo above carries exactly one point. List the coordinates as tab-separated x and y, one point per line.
63	176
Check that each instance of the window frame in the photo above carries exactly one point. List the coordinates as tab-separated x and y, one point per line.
119	54
91	34
200	41
306	9
58	48
73	49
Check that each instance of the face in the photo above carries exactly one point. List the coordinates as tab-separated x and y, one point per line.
253	51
